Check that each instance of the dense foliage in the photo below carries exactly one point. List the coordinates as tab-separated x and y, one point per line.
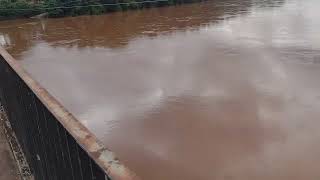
59	8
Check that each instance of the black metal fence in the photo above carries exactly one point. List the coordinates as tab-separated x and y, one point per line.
52	153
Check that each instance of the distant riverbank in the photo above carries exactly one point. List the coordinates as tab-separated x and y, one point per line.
10	9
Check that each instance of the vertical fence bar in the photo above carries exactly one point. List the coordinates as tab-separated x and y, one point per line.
52	153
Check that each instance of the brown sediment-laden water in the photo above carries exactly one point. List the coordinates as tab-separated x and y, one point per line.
226	89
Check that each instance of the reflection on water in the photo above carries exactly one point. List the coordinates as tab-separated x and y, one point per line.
117	29
5	40
226	89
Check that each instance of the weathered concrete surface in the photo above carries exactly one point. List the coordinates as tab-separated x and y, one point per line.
8	169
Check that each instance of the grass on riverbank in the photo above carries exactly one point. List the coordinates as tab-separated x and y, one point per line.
60	8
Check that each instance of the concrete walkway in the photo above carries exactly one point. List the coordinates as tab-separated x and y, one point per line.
8	168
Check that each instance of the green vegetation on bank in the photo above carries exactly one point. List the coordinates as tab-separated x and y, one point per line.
60	8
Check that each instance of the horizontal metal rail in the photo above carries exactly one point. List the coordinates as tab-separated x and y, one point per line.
57	146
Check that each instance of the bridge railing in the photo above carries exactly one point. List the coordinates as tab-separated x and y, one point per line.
57	146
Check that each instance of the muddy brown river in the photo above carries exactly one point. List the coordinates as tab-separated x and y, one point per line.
221	90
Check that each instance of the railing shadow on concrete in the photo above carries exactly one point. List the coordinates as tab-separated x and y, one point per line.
57	146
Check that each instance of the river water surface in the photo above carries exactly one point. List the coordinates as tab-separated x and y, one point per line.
227	89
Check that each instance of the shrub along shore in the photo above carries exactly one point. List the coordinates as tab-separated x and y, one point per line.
60	8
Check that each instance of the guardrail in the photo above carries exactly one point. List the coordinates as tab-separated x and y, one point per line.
57	146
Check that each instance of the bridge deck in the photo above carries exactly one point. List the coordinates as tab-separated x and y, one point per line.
8	166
